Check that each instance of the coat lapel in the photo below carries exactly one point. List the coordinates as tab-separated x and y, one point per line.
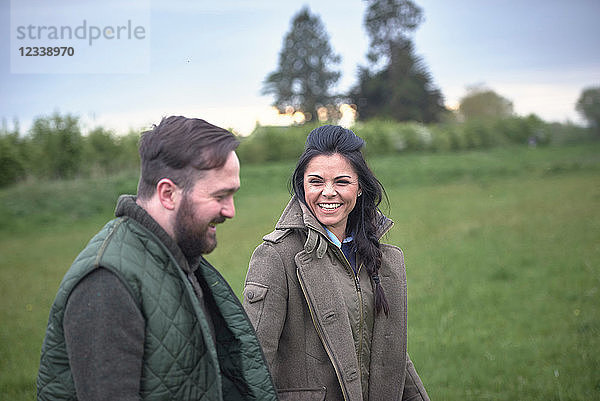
330	317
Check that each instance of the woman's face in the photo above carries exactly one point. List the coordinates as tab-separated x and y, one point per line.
331	189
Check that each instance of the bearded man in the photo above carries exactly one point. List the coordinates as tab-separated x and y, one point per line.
141	314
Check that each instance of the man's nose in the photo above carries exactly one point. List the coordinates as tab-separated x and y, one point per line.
228	209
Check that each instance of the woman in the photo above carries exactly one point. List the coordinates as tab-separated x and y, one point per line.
327	299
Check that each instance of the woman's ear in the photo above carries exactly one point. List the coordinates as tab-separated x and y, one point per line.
168	193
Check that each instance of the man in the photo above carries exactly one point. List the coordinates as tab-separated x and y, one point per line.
141	314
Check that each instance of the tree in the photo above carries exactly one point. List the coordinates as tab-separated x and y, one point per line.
401	91
481	103
397	84
101	151
588	105
388	24
12	163
304	78
57	146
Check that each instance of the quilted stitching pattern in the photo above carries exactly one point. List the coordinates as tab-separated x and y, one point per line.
54	376
241	358
178	363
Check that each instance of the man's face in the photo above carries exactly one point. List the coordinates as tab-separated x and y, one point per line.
209	203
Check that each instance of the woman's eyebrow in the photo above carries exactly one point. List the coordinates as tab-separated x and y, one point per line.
336	178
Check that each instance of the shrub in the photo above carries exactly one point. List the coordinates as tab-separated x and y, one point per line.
11	164
568	133
415	136
388	137
441	138
274	143
522	130
57	146
379	136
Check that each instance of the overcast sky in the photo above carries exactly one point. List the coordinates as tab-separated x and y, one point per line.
208	60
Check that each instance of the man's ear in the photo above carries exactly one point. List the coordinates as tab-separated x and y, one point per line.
168	193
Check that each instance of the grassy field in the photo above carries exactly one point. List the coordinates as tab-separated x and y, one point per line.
502	251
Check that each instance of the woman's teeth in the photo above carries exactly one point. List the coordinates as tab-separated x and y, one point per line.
329	206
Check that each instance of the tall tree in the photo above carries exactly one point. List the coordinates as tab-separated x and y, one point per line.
304	77
397	84
401	91
389	23
588	105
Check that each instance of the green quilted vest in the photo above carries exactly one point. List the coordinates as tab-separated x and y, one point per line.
181	361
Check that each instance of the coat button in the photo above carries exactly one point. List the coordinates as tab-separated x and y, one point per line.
250	294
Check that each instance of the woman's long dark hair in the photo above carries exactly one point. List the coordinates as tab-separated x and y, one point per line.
362	220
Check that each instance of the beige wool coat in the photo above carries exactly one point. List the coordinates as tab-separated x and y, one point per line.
295	297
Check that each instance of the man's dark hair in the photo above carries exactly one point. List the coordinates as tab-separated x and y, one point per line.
180	148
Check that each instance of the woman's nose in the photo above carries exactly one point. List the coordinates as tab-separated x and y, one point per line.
329	189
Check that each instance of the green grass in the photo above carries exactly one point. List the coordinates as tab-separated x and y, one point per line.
502	252
503	285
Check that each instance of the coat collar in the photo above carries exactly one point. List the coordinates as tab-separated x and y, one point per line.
128	207
297	215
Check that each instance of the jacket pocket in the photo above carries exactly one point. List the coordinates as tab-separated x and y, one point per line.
254	294
302	394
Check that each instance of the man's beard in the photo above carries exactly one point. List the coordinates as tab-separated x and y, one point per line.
191	235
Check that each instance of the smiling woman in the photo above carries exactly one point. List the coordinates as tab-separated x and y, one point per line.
315	287
331	189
